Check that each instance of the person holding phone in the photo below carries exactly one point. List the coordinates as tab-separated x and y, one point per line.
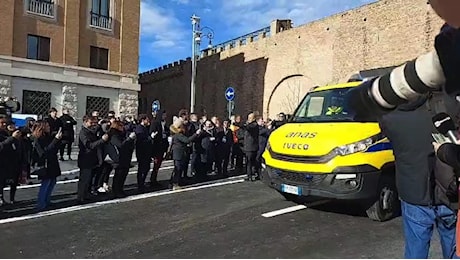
45	158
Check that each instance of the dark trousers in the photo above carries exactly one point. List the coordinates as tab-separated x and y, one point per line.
13	183
119	179
222	160
237	157
157	160
250	163
180	166
143	169
103	174
194	162
62	148
84	184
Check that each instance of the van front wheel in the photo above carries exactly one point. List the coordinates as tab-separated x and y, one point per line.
387	204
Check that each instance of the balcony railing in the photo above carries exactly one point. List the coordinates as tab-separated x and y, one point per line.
101	21
44	8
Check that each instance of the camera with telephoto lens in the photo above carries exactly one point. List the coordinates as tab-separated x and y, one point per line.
8	106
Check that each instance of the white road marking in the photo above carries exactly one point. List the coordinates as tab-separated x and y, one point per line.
283	211
294	208
115	201
75	180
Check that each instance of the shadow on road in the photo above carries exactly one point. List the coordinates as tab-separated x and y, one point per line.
65	200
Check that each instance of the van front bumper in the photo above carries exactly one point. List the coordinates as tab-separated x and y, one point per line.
345	183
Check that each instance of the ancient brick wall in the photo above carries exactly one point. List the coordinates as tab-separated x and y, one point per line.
273	73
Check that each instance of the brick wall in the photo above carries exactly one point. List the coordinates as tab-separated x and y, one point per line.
70	34
326	51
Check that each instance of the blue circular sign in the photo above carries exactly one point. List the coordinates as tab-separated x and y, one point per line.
230	94
155	106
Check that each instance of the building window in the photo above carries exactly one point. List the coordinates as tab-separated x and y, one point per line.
41	7
100	104
38	48
100	14
99	58
36	102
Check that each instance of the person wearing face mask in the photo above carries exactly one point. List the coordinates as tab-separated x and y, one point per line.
119	151
208	142
44	154
144	146
89	156
224	138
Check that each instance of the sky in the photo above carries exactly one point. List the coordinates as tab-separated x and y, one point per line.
166	28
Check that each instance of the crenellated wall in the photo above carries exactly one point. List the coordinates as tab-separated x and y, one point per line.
272	73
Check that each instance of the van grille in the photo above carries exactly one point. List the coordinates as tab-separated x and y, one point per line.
305	178
302	159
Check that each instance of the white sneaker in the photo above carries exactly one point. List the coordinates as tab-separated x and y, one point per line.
101	190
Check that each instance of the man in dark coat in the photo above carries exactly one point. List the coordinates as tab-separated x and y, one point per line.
160	130
409	129
144	143
264	133
54	122
89	155
10	155
68	134
251	145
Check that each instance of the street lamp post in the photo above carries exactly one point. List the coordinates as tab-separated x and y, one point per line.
197	33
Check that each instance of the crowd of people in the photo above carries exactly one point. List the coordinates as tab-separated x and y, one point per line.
197	145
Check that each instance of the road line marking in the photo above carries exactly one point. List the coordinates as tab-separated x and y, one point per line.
294	208
75	180
115	201
283	211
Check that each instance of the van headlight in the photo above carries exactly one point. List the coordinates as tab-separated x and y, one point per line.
359	146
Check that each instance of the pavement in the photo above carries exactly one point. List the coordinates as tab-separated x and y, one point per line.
221	218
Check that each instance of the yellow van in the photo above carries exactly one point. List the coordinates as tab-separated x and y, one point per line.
324	151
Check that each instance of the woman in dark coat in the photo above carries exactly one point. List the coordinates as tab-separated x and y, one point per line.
46	164
224	136
208	142
179	150
119	152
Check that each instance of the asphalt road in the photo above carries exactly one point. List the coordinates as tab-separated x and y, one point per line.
217	219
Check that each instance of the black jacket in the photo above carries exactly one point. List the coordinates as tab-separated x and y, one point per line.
55	124
180	142
144	142
224	140
264	133
11	156
46	155
89	144
160	142
68	133
410	134
120	148
209	143
251	137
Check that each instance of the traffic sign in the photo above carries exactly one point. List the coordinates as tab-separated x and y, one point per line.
230	94
155	106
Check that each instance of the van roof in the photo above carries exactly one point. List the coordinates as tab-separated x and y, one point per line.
342	85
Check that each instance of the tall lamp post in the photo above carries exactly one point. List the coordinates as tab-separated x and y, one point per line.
197	33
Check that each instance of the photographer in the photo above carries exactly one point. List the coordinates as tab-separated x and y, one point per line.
11	157
432	71
89	156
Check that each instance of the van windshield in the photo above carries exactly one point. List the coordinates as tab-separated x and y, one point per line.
327	106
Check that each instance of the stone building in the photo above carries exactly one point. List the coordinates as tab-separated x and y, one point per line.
76	54
273	68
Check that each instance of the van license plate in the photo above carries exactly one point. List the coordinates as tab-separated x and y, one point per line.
290	189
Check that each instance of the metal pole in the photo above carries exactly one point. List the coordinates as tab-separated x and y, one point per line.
195	25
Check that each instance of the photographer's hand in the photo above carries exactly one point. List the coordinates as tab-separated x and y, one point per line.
17	134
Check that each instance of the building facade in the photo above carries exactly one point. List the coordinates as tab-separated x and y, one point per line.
81	55
272	69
